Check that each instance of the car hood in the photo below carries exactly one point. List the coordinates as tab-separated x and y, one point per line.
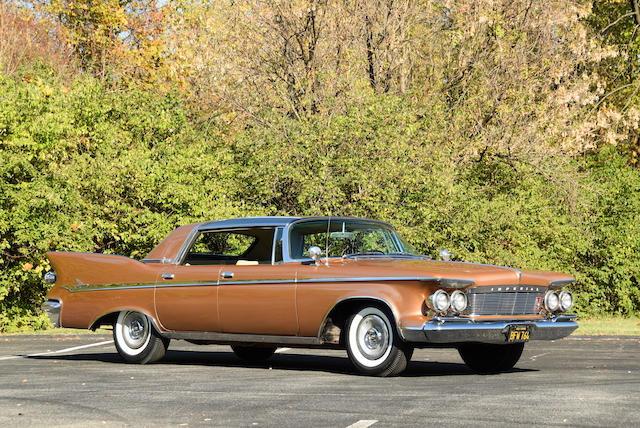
480	274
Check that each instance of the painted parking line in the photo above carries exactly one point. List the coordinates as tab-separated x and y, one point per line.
75	348
363	423
281	350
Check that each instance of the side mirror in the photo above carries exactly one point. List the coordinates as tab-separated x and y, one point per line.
445	255
315	253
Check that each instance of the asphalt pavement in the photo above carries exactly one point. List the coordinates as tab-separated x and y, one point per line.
80	381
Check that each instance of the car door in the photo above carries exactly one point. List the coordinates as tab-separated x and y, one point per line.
259	295
186	298
229	281
258	299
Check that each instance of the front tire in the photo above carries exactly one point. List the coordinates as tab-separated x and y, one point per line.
136	340
373	345
488	358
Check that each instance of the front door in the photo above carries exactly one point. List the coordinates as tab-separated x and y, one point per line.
258	299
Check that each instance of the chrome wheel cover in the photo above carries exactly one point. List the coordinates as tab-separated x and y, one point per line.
373	337
370	337
135	329
132	332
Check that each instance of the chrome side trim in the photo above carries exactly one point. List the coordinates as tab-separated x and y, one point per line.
104	287
243	338
452	330
126	286
163	260
52	308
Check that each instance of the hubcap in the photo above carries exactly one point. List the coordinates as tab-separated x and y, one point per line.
373	337
135	328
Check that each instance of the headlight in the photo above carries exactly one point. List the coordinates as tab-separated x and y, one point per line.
551	301
439	301
458	301
566	300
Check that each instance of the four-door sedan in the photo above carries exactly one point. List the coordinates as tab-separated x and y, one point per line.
339	282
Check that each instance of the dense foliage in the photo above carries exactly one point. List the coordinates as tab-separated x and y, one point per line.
492	134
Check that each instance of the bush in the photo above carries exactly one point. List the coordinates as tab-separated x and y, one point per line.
86	167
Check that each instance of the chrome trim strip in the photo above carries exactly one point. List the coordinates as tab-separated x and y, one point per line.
163	260
451	330
104	287
244	338
508	289
75	289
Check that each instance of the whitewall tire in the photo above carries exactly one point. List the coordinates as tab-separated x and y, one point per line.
136	340
373	344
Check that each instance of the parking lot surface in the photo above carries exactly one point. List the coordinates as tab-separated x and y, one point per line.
81	381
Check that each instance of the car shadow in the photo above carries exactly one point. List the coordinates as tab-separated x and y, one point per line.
294	362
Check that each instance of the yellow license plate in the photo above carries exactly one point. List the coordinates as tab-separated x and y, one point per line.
518	333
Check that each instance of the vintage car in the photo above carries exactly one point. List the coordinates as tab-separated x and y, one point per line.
337	282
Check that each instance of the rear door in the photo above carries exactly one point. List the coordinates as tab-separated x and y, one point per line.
229	281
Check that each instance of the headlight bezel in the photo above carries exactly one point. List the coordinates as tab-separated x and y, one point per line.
549	295
561	296
453	298
435	300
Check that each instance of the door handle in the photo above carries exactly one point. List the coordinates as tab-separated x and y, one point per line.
167	276
226	274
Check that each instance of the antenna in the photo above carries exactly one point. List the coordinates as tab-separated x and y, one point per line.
326	254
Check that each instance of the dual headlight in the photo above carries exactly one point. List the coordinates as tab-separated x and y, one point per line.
440	301
554	301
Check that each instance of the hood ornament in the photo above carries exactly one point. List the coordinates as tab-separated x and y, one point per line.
445	255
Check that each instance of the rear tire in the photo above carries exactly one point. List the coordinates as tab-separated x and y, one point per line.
253	354
373	345
488	358
136	340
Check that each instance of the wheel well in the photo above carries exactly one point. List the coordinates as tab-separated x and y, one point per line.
110	318
107	319
333	327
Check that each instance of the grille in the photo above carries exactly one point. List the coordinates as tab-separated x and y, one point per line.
503	303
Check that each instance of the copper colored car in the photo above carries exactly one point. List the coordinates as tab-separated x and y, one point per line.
336	282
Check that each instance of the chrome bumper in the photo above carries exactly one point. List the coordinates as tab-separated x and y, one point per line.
443	330
52	308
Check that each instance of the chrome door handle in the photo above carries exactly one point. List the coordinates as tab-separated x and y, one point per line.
226	274
167	276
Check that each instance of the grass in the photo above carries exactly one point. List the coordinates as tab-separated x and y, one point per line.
609	326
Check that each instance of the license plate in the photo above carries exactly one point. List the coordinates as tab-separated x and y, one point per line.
518	333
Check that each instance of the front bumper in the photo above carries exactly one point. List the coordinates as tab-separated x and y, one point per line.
451	330
52	308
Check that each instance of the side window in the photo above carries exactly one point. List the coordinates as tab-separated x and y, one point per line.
246	246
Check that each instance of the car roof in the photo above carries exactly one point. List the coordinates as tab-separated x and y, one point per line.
270	221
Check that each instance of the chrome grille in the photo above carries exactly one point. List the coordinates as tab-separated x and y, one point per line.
517	303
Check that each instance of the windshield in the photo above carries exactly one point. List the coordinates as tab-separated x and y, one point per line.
345	238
